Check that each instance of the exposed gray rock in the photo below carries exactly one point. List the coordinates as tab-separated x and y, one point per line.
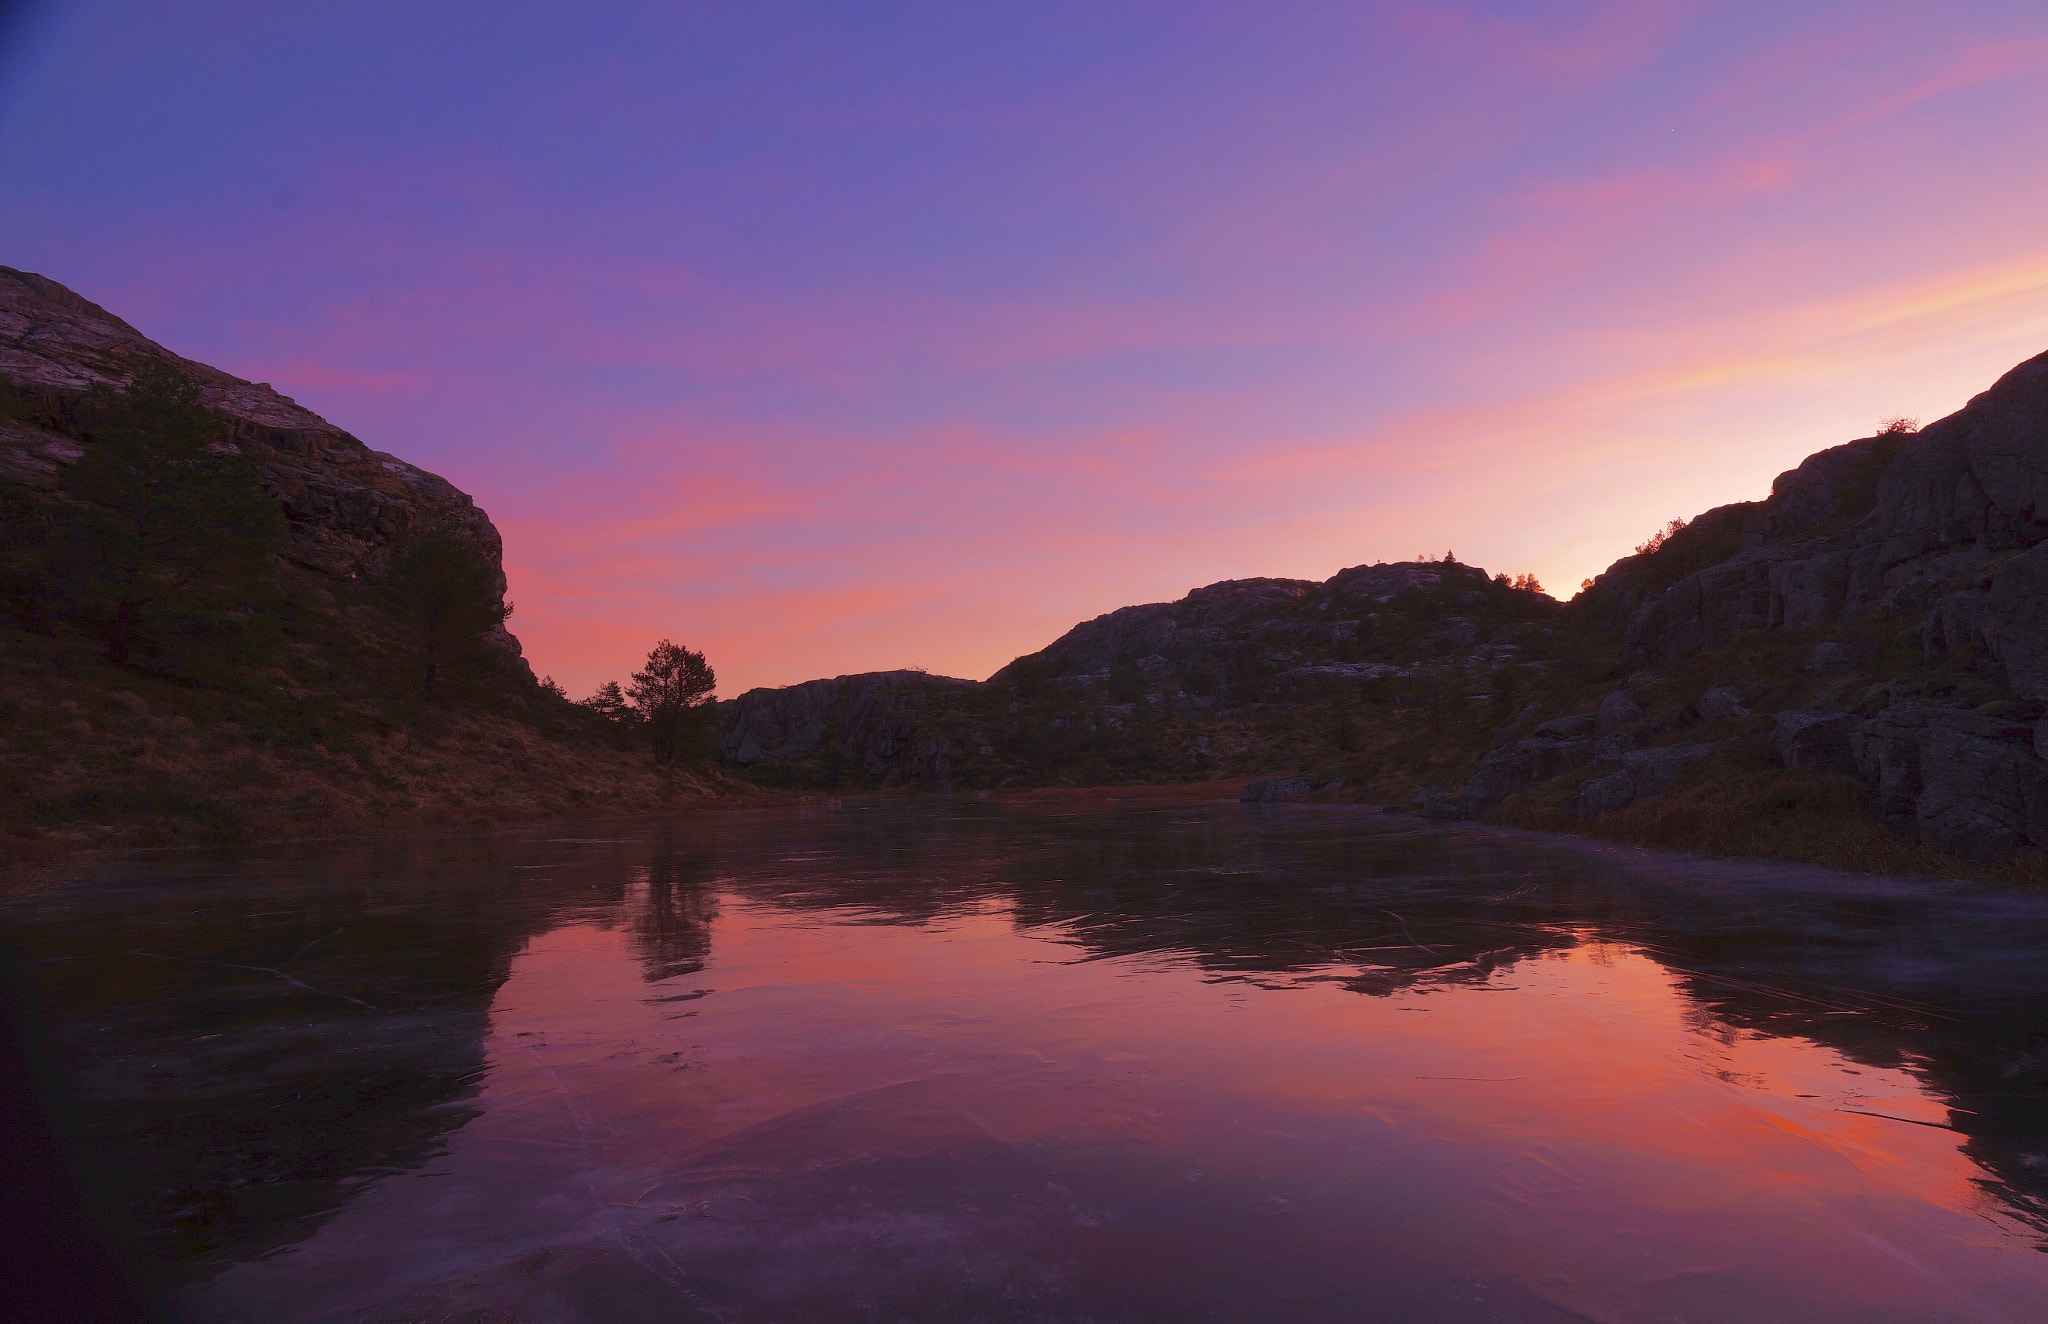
1885	524
1284	639
1943	533
1720	704
1522	765
2017	625
1462	634
1604	794
1642	774
1617	712
1270	790
1831	659
1822	741
1955	779
880	720
346	505
1567	728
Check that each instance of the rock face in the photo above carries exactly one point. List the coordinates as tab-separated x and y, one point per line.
1272	638
1274	790
879	723
1943	526
1912	568
346	504
1148	692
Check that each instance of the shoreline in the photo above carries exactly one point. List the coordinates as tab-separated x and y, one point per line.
36	864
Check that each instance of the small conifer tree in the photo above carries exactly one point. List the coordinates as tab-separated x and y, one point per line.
168	535
445	598
673	698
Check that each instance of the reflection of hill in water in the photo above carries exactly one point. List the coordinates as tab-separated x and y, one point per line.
301	1026
1945	982
256	1043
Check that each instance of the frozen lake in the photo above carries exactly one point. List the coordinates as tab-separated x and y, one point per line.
962	1061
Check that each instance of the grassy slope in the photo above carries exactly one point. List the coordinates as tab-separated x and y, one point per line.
94	755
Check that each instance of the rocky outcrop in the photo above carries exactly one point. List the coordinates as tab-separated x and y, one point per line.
1941	525
1269	639
1955	778
879	724
347	505
1274	790
1175	690
1916	564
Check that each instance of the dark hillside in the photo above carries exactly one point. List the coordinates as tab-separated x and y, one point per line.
223	616
1854	669
1376	681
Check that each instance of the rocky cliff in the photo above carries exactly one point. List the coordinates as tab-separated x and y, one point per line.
164	679
346	505
1881	617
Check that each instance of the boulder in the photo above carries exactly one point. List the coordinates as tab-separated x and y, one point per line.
1720	704
1617	712
1831	659
1272	790
1642	774
1520	766
1805	738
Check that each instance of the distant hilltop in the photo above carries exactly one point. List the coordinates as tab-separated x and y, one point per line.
1852	669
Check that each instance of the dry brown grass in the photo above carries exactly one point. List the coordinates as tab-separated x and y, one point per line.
93	758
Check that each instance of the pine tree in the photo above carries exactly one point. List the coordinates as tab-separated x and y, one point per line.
610	703
168	535
674	700
446	600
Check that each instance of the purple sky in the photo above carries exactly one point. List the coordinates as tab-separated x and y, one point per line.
836	337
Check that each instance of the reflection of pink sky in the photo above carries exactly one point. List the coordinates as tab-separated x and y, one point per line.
1577	271
1576	1130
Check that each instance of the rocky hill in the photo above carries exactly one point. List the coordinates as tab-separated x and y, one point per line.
1353	680
222	615
1853	669
1878	623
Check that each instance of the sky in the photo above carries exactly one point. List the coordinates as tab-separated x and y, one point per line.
836	337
